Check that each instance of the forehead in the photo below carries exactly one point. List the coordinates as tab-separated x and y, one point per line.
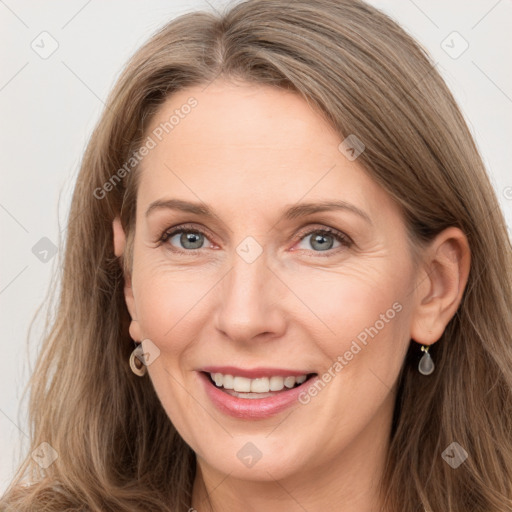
250	144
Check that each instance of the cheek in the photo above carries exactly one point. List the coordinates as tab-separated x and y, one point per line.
357	319
168	303
343	305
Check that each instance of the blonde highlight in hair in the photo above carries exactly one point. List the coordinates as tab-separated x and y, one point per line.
118	450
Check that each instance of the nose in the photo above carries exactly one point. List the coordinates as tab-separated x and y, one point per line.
251	302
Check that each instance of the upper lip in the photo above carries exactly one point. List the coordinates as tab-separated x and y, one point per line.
253	373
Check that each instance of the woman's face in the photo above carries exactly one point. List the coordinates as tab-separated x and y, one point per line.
238	271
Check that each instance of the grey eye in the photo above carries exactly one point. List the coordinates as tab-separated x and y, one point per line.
319	241
189	239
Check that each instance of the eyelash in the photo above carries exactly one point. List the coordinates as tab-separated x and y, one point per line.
344	240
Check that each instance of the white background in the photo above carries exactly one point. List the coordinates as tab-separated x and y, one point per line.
50	106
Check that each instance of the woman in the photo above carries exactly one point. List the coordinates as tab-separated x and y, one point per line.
286	283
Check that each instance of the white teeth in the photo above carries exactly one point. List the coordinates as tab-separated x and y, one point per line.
276	383
241	384
289	382
228	381
259	385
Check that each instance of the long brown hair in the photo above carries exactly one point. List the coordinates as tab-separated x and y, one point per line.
117	449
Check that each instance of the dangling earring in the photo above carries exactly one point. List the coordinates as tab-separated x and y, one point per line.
426	366
136	364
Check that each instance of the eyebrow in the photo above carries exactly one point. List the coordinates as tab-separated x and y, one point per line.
289	213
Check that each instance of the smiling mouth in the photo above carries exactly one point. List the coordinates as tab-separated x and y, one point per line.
262	387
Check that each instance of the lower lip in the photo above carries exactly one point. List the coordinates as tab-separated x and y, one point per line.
253	408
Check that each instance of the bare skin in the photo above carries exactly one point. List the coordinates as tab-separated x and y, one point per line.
249	152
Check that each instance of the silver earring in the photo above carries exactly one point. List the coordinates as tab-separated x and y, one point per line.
426	365
136	364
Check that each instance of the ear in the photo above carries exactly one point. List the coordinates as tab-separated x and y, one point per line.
441	283
119	248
